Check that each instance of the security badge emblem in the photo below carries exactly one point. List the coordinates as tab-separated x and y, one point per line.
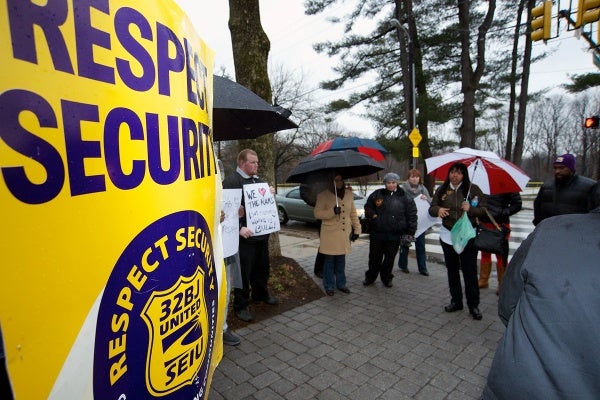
177	326
157	318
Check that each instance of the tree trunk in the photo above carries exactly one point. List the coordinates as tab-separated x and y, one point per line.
517	157
251	47
513	84
471	77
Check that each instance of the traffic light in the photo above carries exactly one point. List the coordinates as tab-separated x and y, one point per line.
540	21
587	11
592	122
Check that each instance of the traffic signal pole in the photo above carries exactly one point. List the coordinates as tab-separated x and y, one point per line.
586	35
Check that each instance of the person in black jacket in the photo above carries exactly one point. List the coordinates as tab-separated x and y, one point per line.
567	193
391	214
253	249
500	207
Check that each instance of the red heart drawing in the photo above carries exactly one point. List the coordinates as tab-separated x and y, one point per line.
262	191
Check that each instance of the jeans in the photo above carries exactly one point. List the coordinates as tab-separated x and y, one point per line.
334	272
421	255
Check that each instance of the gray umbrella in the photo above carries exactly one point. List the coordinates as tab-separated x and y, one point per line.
239	113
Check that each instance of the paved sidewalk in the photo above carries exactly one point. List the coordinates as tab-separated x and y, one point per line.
375	343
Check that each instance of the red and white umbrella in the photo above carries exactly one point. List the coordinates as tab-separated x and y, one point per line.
493	175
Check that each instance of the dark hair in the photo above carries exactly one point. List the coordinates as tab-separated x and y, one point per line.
466	182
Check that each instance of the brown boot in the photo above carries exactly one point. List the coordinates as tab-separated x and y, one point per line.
500	271
484	274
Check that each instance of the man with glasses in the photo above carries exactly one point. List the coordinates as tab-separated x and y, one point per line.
253	249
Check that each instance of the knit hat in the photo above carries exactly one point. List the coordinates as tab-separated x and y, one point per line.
568	160
390	176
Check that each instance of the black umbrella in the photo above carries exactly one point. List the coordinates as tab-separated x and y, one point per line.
239	113
316	172
348	163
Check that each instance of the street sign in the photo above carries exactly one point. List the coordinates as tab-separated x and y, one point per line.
415	152
415	137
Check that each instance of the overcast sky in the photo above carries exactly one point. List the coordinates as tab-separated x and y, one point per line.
292	34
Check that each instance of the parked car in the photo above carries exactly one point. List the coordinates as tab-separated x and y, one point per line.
292	207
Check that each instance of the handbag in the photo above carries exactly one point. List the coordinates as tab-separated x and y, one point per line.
491	240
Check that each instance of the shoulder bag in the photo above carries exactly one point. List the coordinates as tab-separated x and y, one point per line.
491	240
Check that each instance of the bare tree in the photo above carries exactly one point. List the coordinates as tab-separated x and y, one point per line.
548	130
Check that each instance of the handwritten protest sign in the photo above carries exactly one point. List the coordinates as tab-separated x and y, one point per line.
231	225
261	210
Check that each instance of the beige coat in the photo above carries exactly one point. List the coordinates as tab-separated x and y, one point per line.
336	229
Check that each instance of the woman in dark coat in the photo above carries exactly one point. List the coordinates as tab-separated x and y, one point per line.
391	213
450	201
501	207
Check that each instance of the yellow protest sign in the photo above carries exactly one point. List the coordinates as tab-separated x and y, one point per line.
112	263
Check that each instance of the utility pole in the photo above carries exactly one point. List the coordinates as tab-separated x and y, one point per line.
411	109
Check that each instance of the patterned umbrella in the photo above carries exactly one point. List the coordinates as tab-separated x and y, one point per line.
493	175
369	147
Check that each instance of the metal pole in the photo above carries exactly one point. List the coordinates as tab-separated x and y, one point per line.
414	99
411	57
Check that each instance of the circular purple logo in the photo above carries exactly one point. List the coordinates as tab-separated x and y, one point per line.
157	317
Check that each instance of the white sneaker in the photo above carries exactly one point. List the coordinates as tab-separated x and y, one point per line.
231	339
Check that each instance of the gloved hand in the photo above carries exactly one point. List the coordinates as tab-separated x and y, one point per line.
337	210
353	237
406	240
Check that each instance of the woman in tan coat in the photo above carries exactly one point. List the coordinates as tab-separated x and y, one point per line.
335	208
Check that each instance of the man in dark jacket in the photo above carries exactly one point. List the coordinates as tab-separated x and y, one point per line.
567	193
391	214
550	303
253	249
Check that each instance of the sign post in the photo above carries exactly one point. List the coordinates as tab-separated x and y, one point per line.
415	138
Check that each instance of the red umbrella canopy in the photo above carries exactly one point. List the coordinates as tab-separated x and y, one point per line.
369	147
493	175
